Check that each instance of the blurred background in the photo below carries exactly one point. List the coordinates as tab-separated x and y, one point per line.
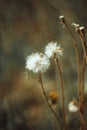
27	26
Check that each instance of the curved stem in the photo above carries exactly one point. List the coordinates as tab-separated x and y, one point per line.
77	57
44	93
80	88
83	67
82	84
83	41
62	90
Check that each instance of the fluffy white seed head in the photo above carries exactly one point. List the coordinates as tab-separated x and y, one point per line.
52	48
37	62
73	106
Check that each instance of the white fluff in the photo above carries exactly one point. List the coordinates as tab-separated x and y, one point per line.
73	107
52	48
37	62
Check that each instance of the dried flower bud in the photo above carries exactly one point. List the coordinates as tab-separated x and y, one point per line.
76	27
82	30
62	19
53	96
73	106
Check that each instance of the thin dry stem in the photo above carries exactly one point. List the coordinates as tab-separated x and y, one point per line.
77	57
62	90
83	127
44	93
63	21
82	84
83	41
80	88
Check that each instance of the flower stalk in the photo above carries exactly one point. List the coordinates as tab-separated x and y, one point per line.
44	93
81	33
83	41
62	90
63	22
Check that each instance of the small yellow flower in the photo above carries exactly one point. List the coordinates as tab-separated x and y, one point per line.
53	96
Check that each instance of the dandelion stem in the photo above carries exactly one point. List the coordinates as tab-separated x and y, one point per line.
77	57
83	41
80	88
62	90
63	21
44	93
82	85
83	126
82	37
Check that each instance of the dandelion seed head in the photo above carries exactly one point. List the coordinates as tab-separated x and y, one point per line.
73	106
52	48
37	62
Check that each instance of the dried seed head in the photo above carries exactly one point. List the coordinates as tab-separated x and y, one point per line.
76	27
62	19
82	30
73	106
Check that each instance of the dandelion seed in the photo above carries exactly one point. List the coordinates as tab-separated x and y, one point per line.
37	62
52	48
73	106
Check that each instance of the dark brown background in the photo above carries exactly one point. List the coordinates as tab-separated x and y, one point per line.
26	26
